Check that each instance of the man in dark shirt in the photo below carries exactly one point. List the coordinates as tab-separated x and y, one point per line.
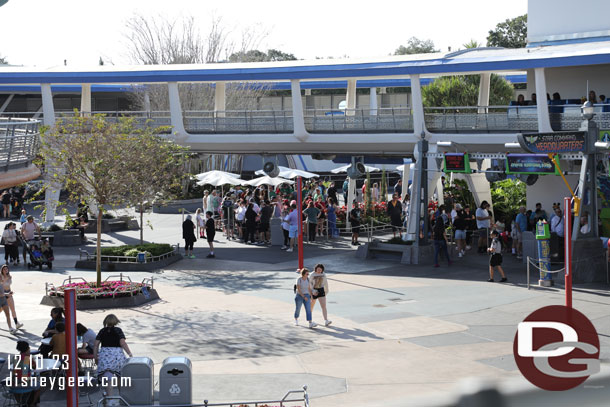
332	192
395	212
265	219
398	188
354	218
210	231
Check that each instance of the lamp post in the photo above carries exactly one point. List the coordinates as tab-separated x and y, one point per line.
588	260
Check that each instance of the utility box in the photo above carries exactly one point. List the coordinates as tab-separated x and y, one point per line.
141	372
175	381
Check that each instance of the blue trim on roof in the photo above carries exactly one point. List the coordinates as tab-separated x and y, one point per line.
303	162
432	66
64	88
568	41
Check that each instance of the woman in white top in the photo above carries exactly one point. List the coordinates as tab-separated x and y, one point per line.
6	280
11	249
205	200
200	222
319	289
375	193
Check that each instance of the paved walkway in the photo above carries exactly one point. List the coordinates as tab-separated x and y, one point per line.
398	332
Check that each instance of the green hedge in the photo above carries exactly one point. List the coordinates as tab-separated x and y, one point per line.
155	249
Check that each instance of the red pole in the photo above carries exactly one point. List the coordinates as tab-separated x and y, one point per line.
72	372
300	214
568	250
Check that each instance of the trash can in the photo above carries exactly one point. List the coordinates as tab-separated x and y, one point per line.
141	257
175	381
140	371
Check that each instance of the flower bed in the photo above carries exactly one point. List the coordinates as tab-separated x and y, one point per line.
109	288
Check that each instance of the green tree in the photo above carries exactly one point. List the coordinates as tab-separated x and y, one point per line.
260	56
472	44
106	162
463	90
416	46
511	33
507	196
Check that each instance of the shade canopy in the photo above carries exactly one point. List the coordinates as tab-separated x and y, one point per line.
345	167
221	179
291	173
267	180
213	174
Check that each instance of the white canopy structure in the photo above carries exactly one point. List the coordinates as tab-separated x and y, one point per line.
291	173
214	174
345	167
221	179
267	180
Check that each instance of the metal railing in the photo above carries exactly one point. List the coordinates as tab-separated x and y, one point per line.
283	402
19	140
130	259
454	119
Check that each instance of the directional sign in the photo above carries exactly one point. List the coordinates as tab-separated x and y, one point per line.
556	142
539	164
457	162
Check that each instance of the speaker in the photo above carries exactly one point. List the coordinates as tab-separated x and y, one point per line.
531	179
319	156
271	169
356	170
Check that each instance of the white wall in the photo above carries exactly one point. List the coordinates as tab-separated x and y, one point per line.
571	82
550	20
549	189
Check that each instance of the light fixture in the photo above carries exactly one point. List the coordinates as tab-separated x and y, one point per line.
587	110
512	145
444	143
602	144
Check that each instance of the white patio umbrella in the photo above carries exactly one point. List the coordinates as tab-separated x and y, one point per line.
368	168
267	180
221	179
291	173
214	174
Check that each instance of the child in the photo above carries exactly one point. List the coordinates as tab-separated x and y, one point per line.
496	257
36	252
210	230
46	250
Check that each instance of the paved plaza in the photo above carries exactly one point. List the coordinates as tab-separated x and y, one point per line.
399	332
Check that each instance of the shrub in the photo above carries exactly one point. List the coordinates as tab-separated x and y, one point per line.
151	249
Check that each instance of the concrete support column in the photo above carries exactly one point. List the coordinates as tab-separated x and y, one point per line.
484	92
544	122
419	124
351	195
175	109
350	100
51	195
85	99
220	94
6	102
373	102
297	110
147	108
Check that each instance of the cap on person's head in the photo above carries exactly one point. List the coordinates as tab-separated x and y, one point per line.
494	232
30	217
458	206
293	202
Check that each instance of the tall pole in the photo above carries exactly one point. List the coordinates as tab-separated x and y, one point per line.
72	372
567	235
300	215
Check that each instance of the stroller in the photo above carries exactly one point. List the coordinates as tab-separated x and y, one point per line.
38	258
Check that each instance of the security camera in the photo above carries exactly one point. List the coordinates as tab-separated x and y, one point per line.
271	169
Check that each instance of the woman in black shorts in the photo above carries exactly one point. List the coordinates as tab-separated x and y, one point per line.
319	290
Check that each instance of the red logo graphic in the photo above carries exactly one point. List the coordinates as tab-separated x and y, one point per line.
556	348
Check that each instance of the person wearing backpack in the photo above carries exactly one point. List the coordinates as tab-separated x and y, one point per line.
440	240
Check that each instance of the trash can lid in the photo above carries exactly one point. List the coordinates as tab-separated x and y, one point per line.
141	360
177	360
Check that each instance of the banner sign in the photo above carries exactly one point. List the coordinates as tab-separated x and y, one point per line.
530	164
604	135
457	162
556	142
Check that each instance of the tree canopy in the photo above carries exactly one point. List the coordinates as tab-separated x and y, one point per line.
110	163
416	46
463	90
511	33
260	56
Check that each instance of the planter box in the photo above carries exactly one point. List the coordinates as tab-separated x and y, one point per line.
405	254
190	205
120	266
104	303
67	237
113	225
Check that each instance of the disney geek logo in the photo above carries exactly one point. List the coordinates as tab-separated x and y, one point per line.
556	348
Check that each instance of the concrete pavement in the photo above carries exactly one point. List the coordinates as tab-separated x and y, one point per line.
398	332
